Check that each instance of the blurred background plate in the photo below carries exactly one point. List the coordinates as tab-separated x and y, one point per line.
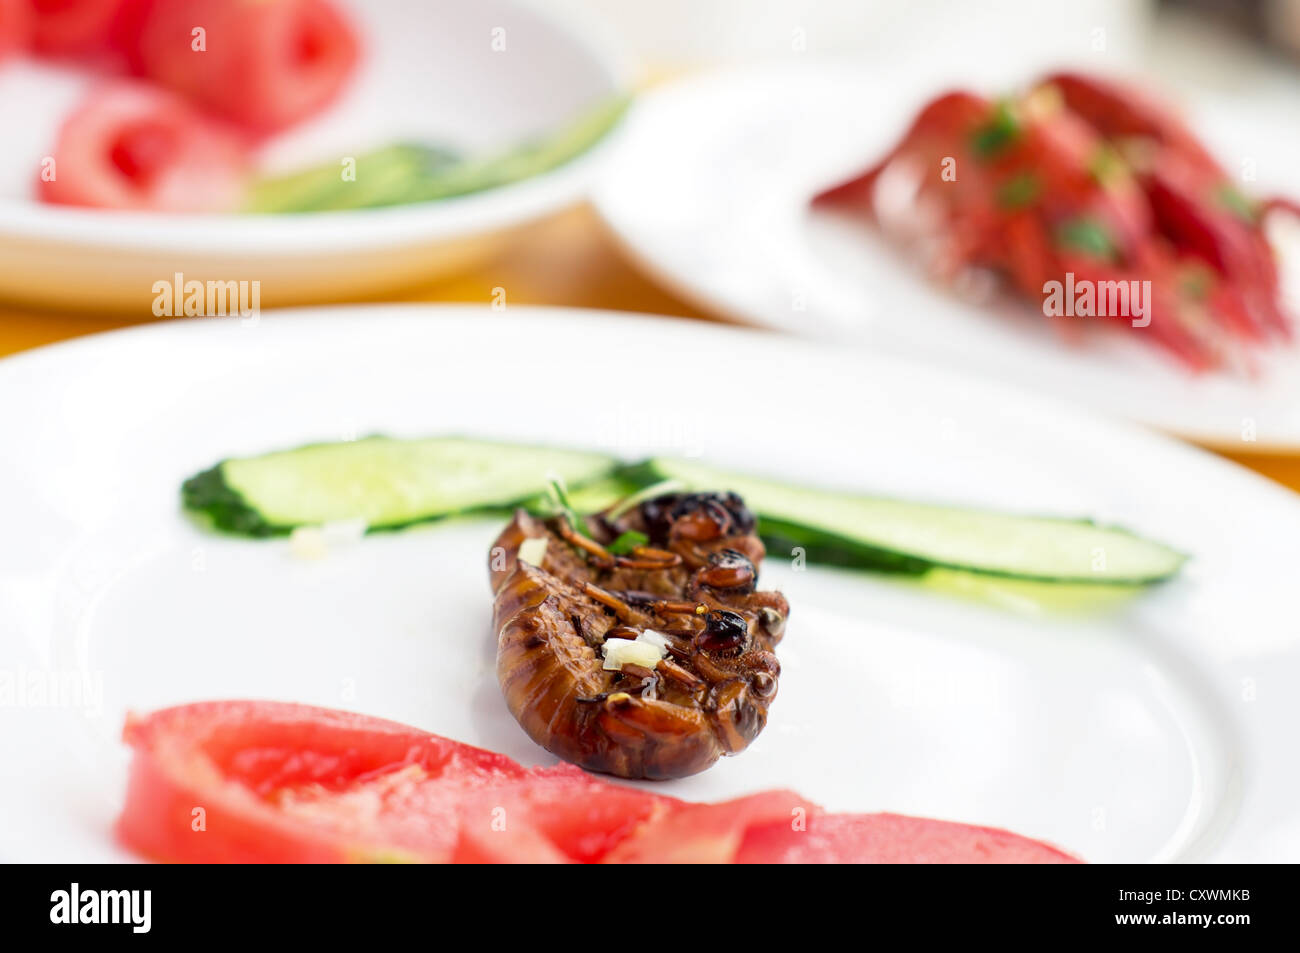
1154	729
709	192
429	73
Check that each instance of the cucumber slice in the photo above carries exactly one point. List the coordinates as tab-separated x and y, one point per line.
407	173
389	483
893	535
382	178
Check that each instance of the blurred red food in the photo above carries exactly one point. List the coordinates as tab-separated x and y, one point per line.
73	27
133	146
890	839
15	26
1082	182
263	64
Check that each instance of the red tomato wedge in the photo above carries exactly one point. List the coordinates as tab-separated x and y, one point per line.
891	839
73	27
15	26
263	64
130	146
711	833
270	782
555	815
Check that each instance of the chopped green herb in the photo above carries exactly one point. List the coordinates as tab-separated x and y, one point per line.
627	542
1195	282
1002	129
1231	198
640	496
1088	236
1106	165
560	506
1019	191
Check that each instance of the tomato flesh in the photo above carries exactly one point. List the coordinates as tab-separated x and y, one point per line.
263	65
15	27
73	27
890	839
249	782
292	783
129	146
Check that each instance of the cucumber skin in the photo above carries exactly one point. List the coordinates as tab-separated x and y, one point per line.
207	497
831	549
783	538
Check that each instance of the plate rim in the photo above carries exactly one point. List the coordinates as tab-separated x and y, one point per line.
1129	429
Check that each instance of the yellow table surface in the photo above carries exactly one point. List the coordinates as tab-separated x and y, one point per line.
568	259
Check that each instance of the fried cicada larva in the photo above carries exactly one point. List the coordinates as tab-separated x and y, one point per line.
702	672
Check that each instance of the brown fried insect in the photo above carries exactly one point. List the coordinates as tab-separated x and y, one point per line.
692	586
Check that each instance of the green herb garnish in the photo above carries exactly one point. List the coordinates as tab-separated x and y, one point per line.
1088	236
658	488
627	542
1019	191
1195	282
997	134
1231	198
558	496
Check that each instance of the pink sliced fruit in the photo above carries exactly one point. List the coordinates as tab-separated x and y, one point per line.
891	839
269	782
15	27
131	146
262	64
73	27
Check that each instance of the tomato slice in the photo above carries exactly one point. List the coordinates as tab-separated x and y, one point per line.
890	839
73	27
15	26
710	833
264	64
273	782
130	146
556	815
270	782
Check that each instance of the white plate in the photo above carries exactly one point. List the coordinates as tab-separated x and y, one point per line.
1161	730
709	190
429	72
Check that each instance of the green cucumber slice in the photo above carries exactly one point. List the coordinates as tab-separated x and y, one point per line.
867	532
406	173
387	482
383	177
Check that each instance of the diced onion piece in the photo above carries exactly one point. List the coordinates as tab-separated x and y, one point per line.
308	542
620	652
533	551
657	639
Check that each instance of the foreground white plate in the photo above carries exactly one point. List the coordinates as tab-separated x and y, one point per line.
709	190
431	72
1161	730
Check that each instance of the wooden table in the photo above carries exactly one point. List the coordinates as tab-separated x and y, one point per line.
566	260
